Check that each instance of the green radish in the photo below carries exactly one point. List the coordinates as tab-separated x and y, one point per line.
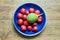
32	17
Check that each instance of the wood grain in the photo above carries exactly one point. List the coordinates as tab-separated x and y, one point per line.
52	30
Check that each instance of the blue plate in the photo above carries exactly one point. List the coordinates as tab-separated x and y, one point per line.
40	26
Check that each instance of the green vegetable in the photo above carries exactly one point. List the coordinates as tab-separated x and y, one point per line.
32	17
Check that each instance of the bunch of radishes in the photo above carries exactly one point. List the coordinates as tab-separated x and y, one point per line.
22	20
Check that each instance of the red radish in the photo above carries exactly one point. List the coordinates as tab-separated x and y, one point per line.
27	12
31	10
19	15
29	24
25	23
35	28
34	24
23	28
23	10
29	28
37	12
20	21
39	19
24	17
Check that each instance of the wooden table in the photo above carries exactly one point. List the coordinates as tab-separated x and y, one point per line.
52	30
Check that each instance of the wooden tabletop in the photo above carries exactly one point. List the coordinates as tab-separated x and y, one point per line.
52	30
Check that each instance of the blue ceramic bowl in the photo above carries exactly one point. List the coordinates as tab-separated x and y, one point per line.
40	26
